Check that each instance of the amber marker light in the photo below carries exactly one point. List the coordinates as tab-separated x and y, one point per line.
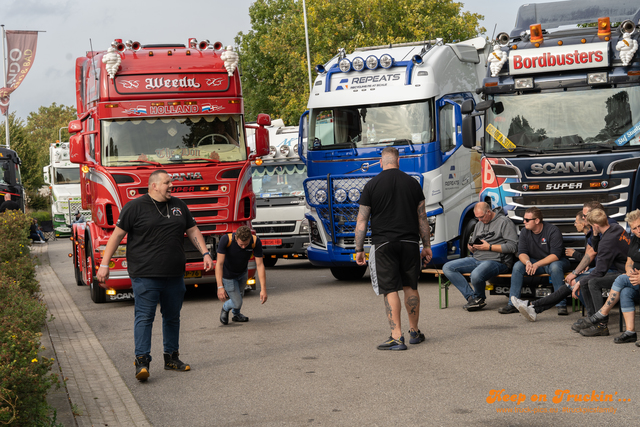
595	185
204	188
559	42
604	27
491	84
536	33
190	102
70	255
633	73
234	101
258	162
173	103
151	53
157	104
111	106
85	169
169	53
583	40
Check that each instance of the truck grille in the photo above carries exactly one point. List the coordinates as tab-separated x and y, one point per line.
339	216
267	229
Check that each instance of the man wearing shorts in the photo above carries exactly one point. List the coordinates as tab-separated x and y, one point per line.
395	204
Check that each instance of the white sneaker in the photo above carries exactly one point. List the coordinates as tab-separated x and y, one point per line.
527	311
518	302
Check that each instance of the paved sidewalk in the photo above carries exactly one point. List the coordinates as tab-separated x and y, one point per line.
96	390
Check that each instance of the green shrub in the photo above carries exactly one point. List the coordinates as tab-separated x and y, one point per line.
41	216
25	377
38	202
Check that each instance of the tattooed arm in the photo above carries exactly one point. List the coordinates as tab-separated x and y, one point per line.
361	232
425	232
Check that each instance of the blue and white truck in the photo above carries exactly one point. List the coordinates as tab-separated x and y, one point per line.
408	96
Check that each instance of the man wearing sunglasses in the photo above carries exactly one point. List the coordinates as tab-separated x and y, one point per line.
540	250
493	244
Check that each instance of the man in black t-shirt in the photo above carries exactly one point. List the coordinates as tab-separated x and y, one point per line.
625	288
232	264
8	204
155	225
395	204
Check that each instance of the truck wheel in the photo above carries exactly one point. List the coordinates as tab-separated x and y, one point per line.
348	273
76	268
269	262
464	237
98	294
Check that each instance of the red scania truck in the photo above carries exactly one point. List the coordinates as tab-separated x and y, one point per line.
164	106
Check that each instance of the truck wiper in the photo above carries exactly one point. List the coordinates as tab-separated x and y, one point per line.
526	150
140	161
203	158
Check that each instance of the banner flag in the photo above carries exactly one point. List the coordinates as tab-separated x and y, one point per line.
21	48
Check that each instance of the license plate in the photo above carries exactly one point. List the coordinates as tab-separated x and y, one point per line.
271	242
366	256
192	274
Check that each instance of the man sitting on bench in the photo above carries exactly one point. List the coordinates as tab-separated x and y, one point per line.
540	250
493	244
612	255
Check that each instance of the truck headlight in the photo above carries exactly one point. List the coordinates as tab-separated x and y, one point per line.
341	195
304	226
121	250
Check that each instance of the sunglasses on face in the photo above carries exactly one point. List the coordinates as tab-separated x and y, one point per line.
528	219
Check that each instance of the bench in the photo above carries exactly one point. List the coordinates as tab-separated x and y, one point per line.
445	285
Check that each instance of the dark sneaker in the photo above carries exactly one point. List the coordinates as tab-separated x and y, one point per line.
597	330
562	311
224	317
172	363
475	304
240	318
416	337
637	343
507	309
142	367
581	324
625	338
393	344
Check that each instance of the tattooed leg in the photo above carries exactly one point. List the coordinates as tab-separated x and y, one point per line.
392	304
412	303
613	299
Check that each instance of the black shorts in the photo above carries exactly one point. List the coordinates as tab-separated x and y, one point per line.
394	265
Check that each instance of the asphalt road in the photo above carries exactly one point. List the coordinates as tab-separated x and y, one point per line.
308	357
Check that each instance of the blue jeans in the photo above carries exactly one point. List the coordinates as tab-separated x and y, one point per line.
148	292
555	270
481	271
629	293
235	290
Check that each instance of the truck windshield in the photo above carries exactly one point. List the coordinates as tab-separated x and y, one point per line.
367	125
173	140
542	123
67	175
279	180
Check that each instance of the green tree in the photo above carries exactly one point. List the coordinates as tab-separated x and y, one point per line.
42	129
273	53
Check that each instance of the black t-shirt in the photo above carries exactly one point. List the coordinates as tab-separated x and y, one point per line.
634	252
393	197
236	259
9	205
155	243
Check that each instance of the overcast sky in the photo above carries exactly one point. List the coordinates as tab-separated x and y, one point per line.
69	24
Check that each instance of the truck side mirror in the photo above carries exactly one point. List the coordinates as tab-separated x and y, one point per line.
76	148
262	135
264	119
75	126
45	172
467	107
262	141
469	131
